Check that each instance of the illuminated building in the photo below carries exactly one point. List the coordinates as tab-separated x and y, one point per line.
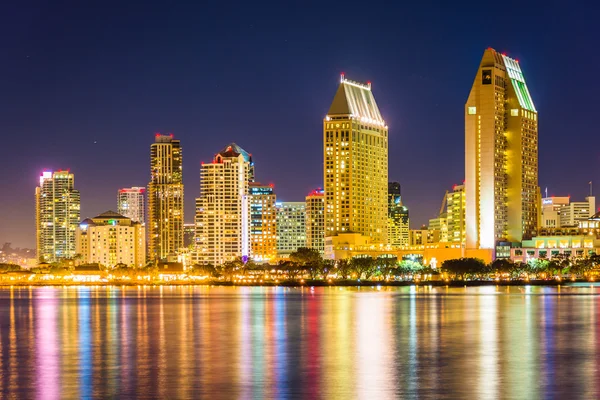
57	215
110	239
315	220
355	146
438	227
501	155
551	211
455	214
548	247
574	212
291	227
263	223
130	203
223	208
189	232
165	198
398	218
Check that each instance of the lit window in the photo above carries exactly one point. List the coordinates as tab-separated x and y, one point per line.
472	110
514	112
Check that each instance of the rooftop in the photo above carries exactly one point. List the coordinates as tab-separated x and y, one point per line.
355	99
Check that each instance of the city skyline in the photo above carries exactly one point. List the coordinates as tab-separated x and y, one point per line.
76	130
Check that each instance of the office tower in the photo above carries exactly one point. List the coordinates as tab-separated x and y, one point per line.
574	212
291	227
189	232
130	203
263	223
57	215
355	144
398	219
165	198
455	212
501	155
110	239
315	220
223	208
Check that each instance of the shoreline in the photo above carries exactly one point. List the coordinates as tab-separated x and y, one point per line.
308	283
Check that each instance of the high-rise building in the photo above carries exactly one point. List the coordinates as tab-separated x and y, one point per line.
455	212
223	208
165	198
263	223
130	203
110	239
398	219
57	206
189	232
355	146
315	220
291	227
501	155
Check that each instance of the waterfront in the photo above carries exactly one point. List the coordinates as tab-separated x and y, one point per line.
273	342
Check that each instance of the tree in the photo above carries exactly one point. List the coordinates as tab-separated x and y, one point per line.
408	267
9	267
386	266
305	256
363	266
502	266
204	270
343	269
465	267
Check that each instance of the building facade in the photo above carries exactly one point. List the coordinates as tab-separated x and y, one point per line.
398	218
57	206
165	198
263	223
131	204
291	227
223	208
110	239
315	220
551	211
501	155
355	147
455	214
574	212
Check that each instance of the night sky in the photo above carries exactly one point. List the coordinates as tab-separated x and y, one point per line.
85	87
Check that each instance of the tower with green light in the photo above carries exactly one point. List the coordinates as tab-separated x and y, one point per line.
501	155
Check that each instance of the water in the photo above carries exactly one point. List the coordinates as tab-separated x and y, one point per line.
340	343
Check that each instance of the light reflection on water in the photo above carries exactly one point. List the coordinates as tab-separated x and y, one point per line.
411	342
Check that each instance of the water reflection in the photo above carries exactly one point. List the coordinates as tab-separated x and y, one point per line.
412	342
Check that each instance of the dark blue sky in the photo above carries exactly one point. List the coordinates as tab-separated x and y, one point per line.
263	75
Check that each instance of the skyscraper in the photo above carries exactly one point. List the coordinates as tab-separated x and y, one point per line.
291	227
263	223
315	220
501	155
57	215
355	146
130	203
455	206
165	198
223	208
398	219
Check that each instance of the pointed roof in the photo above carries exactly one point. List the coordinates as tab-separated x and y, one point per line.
233	150
355	99
110	214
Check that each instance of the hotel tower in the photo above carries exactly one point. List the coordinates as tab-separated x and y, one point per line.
355	146
57	214
165	198
501	155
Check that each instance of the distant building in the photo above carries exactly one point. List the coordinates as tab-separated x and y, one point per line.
57	206
551	211
501	155
189	231
223	208
110	239
291	227
355	147
165	198
455	214
263	223
574	212
315	220
130	203
398	218
438	228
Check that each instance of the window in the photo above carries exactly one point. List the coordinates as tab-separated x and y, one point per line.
472	110
514	112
